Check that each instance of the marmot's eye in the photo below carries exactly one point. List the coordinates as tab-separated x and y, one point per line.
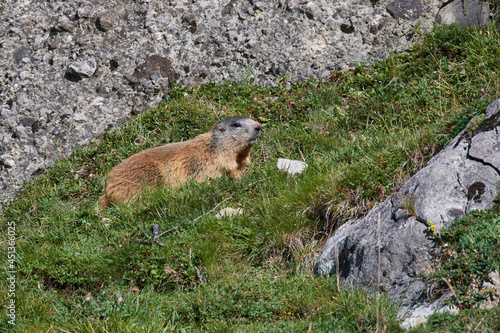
236	125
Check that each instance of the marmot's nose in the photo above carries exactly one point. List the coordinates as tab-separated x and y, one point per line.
258	127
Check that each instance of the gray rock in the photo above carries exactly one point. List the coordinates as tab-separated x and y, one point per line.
27	122
53	42
106	21
85	11
21	53
407	9
312	10
461	178
494	286
475	13
155	64
64	24
492	109
82	69
38	43
7	161
420	313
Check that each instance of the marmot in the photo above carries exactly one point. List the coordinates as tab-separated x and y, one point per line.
226	147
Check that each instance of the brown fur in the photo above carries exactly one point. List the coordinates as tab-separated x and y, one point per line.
225	147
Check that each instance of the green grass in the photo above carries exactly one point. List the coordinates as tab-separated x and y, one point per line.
470	253
362	134
470	320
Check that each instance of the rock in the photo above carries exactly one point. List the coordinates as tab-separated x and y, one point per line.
407	9
153	76
53	42
64	24
420	313
106	21
162	66
291	166
27	122
492	110
21	53
461	178
228	211
475	13
347	28
260	5
84	11
494	287
7	161
312	10
81	69
38	43
191	20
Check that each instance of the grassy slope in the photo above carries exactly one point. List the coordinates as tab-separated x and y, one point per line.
362	134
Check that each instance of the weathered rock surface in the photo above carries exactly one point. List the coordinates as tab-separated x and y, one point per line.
465	13
407	9
422	313
76	68
461	178
81	69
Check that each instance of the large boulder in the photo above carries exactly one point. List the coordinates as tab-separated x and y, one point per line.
461	178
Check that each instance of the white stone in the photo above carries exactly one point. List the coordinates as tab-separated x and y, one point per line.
228	211
8	161
291	166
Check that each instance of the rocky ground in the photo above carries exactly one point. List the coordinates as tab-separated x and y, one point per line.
70	70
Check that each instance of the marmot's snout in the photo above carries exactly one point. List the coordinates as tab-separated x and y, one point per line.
255	132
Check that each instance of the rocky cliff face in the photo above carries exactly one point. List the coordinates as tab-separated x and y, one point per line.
70	70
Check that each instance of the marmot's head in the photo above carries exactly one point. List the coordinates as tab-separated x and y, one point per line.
235	133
